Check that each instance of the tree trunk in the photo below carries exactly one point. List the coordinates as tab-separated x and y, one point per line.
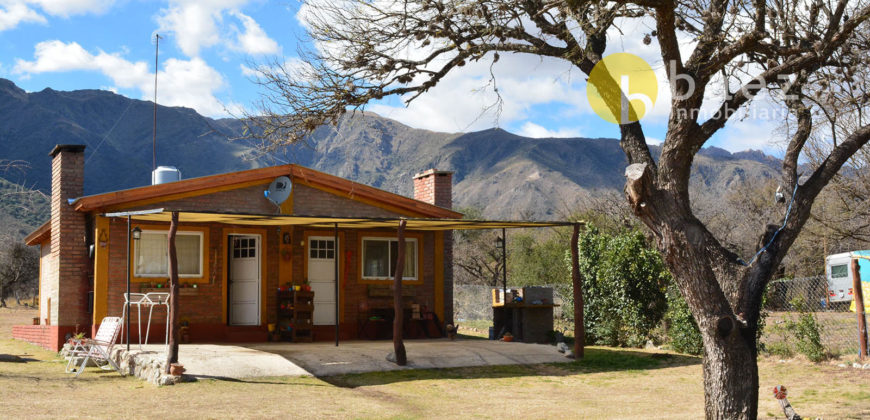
172	355
730	377
398	311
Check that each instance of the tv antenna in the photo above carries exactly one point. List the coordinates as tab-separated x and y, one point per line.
154	128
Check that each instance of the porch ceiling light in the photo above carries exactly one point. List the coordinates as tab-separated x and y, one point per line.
137	233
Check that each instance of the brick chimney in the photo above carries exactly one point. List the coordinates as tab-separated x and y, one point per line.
434	187
68	280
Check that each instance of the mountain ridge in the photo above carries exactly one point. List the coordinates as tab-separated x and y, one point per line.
505	174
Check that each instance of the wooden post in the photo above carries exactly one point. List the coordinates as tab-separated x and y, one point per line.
577	282
858	296
172	354
398	312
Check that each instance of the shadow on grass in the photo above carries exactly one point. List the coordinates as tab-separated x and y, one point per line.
596	360
290	380
11	358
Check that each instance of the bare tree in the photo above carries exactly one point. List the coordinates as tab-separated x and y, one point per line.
369	50
19	272
476	257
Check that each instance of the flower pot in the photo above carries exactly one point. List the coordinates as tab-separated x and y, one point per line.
176	369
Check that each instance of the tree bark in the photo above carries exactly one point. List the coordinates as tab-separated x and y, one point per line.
172	354
730	374
398	312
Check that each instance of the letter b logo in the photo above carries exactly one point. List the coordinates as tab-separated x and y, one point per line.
622	88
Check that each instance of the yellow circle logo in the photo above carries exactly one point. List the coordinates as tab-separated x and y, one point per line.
622	88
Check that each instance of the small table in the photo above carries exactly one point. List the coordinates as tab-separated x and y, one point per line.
149	300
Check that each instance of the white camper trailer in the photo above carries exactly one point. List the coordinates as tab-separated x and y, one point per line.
838	271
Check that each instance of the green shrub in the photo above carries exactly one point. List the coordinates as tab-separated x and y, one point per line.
623	289
683	333
801	335
807	333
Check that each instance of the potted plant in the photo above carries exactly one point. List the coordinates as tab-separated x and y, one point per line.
176	369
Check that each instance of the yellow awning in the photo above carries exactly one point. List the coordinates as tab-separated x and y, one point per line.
159	215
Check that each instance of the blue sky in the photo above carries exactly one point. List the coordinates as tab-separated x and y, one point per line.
209	46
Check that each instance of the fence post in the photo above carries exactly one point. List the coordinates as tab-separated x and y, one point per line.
577	282
858	297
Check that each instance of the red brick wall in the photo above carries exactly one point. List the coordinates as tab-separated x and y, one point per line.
308	201
202	308
49	337
242	200
69	278
205	306
355	292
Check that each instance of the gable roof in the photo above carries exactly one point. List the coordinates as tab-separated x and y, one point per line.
299	174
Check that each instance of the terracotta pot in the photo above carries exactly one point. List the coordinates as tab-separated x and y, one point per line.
176	369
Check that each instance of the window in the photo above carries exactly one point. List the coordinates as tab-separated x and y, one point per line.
839	271
322	249
152	254
379	257
244	247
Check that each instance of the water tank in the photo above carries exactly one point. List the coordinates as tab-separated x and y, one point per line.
164	174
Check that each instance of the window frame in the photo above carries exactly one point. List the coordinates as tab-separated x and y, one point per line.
388	240
135	255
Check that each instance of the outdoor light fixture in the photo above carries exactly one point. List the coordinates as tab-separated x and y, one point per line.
499	242
137	233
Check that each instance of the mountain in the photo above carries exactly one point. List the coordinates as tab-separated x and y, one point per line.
507	175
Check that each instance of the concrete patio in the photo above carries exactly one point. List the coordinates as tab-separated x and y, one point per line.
325	359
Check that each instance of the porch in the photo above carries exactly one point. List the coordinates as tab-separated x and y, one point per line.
236	361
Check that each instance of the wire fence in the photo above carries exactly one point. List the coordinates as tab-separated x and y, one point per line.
785	302
788	299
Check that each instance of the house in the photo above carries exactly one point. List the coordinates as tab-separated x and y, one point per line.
236	249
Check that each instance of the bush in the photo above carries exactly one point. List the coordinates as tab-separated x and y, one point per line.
623	289
683	333
807	333
802	335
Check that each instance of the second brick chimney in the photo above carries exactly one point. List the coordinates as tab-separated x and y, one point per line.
434	187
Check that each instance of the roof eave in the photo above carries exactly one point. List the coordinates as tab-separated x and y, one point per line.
39	235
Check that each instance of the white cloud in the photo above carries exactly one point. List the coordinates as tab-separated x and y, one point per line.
191	83
14	12
67	8
254	40
530	129
198	24
463	100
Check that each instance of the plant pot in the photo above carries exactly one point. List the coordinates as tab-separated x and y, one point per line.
176	369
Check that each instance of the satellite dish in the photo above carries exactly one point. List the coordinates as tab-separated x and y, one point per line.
279	190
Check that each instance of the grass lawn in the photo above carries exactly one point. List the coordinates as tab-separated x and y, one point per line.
608	383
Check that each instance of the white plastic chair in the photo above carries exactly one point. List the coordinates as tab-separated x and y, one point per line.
98	349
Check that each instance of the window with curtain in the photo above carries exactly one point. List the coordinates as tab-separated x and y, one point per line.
379	256
152	254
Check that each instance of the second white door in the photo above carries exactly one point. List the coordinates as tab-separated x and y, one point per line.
322	254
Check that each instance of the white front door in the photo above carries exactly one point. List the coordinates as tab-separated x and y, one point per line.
321	276
244	278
